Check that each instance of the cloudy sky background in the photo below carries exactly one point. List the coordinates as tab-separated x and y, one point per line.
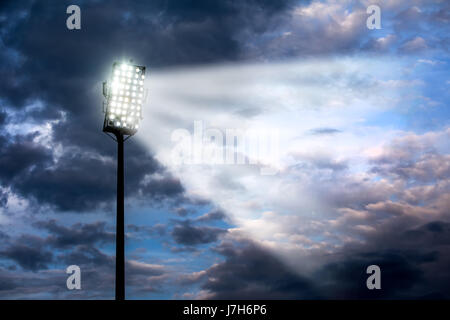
363	166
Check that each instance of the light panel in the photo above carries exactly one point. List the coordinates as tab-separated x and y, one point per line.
125	97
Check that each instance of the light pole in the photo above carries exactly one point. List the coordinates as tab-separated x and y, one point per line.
123	109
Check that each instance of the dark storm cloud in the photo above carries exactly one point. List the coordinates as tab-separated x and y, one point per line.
3	199
182	212
6	283
43	261
18	154
436	233
20	285
165	187
411	264
78	234
3	236
97	283
412	258
69	185
3	116
251	272
86	255
35	253
186	234
28	258
29	252
76	180
346	279
211	216
97	277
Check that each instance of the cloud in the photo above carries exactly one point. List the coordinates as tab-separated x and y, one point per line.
19	154
414	45
28	251
250	272
85	255
3	117
161	187
78	234
408	261
3	199
62	178
186	234
141	268
315	28
35	253
146	231
211	216
22	285
381	44
414	156
43	261
324	131
182	212
347	279
144	277
3	235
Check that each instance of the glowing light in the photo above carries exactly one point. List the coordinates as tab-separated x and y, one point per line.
125	98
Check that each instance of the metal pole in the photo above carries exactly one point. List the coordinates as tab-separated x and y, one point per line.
120	232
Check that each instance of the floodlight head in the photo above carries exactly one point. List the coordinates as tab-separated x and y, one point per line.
124	95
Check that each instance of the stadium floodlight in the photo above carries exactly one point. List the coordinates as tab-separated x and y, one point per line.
124	95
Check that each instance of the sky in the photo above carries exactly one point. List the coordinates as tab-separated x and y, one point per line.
284	148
